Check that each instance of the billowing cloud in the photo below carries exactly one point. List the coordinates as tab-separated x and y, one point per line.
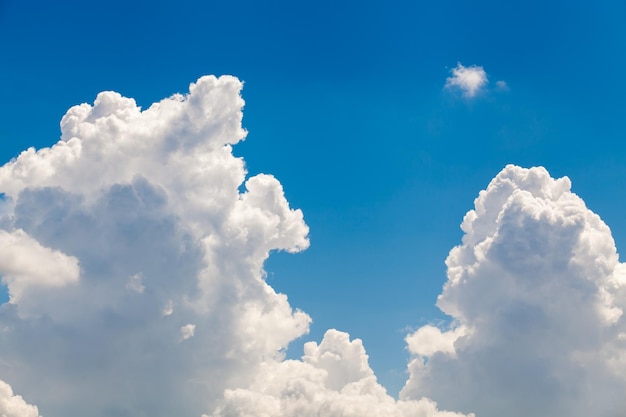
537	296
133	251
14	405
333	379
470	80
428	340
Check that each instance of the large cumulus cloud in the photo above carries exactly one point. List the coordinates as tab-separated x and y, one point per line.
537	296
133	253
134	262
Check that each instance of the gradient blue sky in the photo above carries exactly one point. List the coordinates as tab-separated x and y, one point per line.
346	106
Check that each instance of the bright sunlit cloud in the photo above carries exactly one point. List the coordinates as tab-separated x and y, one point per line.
333	379
469	80
14	405
537	295
132	256
135	259
134	252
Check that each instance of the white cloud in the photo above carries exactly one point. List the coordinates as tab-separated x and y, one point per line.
539	290
470	80
428	340
187	331
26	264
168	309
14	405
536	291
156	191
333	379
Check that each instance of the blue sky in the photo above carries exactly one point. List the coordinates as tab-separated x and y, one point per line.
346	106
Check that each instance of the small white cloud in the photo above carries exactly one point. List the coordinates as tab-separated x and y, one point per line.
187	331
135	283
168	309
470	80
502	86
429	340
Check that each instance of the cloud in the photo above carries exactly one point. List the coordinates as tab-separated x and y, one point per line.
134	251
19	273
134	247
137	229
135	283
14	405
470	80
502	86
333	379
187	331
428	340
537	297
168	309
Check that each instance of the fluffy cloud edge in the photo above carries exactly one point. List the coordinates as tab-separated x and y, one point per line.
146	241
536	295
332	379
19	273
469	80
13	405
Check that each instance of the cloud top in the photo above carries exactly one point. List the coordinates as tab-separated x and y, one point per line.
333	379
537	296
469	80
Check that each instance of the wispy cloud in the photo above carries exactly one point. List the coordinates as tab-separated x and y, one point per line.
469	80
502	86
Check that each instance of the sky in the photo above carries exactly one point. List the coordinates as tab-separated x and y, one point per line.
378	240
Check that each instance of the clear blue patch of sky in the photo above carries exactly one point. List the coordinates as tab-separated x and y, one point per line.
346	106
